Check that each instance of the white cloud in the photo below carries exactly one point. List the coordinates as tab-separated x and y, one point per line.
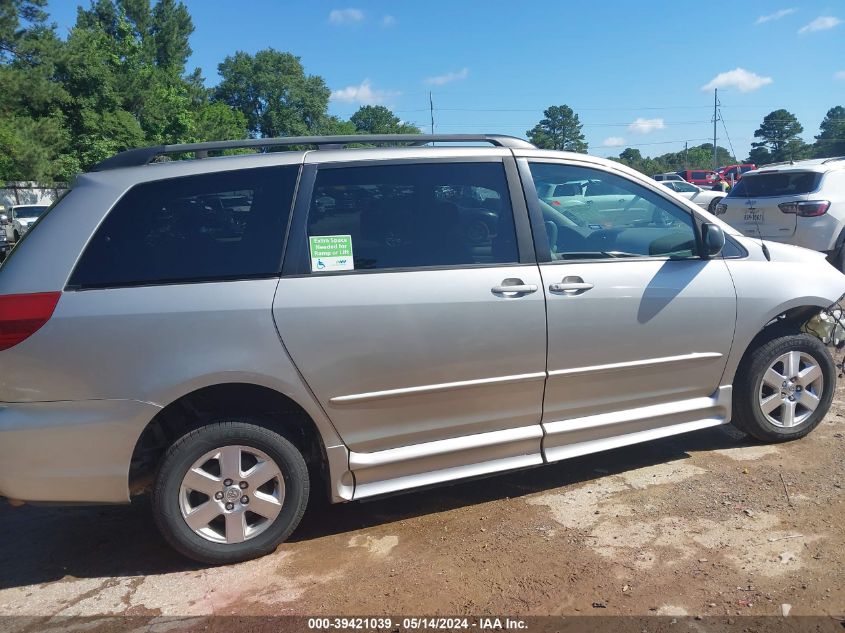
439	80
613	141
839	75
821	23
644	126
363	93
738	78
777	15
388	20
345	16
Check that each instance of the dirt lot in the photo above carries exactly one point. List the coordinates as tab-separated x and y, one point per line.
698	524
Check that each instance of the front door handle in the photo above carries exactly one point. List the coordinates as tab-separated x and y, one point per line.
571	285
513	287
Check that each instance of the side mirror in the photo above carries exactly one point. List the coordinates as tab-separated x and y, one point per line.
713	238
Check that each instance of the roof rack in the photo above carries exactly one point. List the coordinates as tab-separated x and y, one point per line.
830	160
146	155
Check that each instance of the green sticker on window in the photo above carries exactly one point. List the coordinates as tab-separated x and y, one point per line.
331	252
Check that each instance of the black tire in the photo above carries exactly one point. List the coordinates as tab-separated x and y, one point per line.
191	447
17	236
733	432
712	206
748	415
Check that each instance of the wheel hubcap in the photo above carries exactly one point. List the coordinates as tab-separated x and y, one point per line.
791	389
231	494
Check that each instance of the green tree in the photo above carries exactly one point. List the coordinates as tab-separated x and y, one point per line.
760	156
779	135
559	129
830	140
33	136
273	92
380	120
21	22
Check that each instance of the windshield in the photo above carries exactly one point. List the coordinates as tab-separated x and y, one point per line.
787	183
29	212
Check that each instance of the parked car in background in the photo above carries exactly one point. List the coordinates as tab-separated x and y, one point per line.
704	198
21	217
232	369
670	176
800	203
700	177
5	243
734	173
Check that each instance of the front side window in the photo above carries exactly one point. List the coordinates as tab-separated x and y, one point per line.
227	225
614	217
413	215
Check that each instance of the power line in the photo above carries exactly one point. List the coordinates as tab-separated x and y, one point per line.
728	136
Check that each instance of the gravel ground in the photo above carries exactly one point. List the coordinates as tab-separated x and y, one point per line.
699	524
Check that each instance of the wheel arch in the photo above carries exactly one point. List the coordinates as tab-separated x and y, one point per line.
270	407
786	318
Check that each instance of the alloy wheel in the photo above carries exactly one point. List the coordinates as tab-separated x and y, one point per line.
791	389
231	494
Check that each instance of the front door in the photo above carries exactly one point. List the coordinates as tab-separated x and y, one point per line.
416	319
640	325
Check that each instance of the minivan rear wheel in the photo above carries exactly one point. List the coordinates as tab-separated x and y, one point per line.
784	388
230	491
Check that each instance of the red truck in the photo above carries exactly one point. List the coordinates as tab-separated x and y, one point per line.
700	177
734	172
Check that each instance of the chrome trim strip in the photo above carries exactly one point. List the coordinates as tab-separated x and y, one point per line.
648	362
445	386
443	447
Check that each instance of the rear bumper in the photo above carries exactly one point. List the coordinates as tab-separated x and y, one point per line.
73	452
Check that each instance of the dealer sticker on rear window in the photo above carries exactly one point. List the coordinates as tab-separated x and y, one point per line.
331	252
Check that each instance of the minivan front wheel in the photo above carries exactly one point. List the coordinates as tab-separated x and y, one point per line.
784	388
230	491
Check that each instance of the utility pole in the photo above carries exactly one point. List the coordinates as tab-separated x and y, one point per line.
715	106
431	110
686	160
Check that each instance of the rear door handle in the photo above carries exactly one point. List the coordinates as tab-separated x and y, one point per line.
513	287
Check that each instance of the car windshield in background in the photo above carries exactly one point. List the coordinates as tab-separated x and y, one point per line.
29	212
792	183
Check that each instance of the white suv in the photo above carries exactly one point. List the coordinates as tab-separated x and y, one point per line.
800	203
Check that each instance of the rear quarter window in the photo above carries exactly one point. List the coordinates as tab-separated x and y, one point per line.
794	183
228	225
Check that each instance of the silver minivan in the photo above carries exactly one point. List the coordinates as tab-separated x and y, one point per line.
234	334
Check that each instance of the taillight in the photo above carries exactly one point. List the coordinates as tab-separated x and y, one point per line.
21	316
555	203
809	209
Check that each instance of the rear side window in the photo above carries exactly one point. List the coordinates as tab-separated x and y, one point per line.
406	216
787	183
218	226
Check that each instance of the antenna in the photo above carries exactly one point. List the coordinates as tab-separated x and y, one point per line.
715	118
431	110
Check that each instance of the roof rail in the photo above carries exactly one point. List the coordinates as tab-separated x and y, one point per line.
830	160
146	155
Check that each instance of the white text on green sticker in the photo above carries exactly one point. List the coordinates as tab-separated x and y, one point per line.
331	252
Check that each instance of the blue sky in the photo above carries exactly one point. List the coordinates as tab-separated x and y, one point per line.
634	72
